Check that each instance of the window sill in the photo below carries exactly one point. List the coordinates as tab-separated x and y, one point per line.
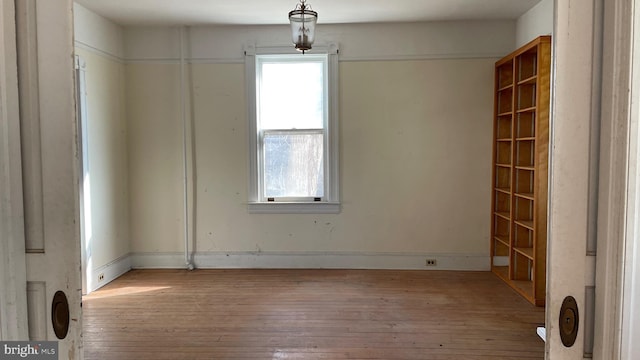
294	208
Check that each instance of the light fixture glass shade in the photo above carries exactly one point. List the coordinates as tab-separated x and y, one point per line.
303	26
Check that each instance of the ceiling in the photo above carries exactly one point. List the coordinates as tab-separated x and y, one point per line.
262	12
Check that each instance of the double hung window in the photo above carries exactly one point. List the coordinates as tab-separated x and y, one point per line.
293	115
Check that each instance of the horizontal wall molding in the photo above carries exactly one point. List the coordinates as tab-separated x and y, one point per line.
419	57
80	45
423	57
173	61
110	272
313	260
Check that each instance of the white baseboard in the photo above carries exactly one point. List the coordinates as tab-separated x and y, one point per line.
501	261
291	260
109	272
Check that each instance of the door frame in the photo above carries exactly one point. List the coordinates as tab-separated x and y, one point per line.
13	299
617	210
630	349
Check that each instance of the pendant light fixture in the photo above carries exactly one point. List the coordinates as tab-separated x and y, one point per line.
303	26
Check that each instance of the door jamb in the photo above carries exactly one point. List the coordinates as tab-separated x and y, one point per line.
614	167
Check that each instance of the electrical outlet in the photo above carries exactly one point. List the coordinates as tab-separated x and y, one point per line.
101	277
430	262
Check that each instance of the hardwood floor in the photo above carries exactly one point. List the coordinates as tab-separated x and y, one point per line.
309	314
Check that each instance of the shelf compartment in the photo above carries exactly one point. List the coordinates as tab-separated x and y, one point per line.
522	237
500	239
525	223
527	252
524	178
502	178
500	248
501	227
502	202
525	151
525	125
526	96
527	65
523	209
524	287
503	127
522	267
502	272
503	153
505	103
503	214
505	74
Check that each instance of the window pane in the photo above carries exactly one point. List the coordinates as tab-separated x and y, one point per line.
293	165
291	96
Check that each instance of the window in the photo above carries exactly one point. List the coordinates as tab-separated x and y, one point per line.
293	131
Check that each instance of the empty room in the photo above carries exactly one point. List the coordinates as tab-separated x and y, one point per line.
325	179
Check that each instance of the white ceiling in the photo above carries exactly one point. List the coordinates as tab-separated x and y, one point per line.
254	12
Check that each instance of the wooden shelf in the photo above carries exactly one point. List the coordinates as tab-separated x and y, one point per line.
529	80
525	223
528	196
501	271
502	239
528	168
524	287
528	252
520	171
527	109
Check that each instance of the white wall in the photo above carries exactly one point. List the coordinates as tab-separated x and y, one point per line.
447	39
97	33
535	22
416	110
100	44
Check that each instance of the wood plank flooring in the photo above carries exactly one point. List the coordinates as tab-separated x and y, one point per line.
309	314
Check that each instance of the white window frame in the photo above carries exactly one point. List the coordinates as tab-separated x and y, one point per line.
329	203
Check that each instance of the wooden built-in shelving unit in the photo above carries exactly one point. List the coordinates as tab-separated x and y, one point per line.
520	169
